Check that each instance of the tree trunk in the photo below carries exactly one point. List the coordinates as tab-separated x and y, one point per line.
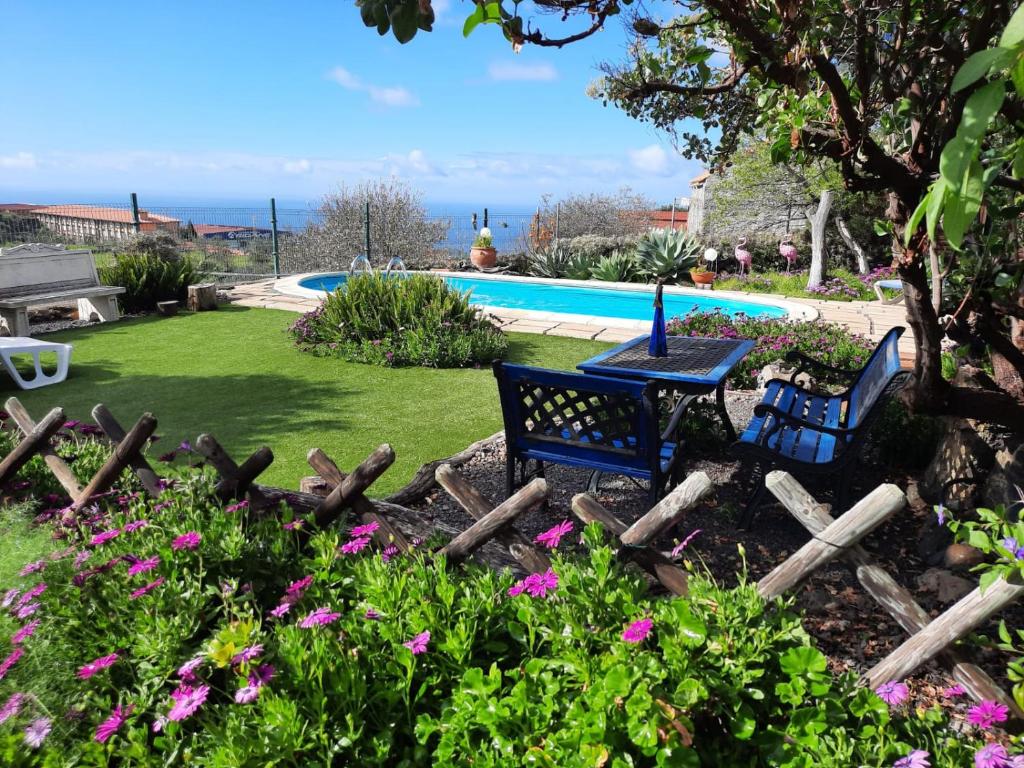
818	220
853	245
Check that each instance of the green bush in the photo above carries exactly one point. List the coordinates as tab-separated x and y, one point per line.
829	342
619	267
393	321
178	630
594	247
152	269
667	254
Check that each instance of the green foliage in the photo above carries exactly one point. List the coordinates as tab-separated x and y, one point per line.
483	241
416	320
152	269
595	246
830	343
16	229
667	254
551	262
722	678
618	267
843	285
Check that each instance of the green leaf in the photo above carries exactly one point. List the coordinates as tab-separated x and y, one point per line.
953	161
692	630
936	201
797	662
989	578
980	108
976	67
743	723
1013	35
473	20
915	218
405	21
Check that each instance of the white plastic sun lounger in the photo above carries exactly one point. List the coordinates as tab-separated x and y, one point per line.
22	345
892	285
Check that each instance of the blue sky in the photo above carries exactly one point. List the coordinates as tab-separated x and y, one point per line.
193	101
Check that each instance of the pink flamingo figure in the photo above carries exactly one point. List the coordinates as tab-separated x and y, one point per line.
788	251
743	256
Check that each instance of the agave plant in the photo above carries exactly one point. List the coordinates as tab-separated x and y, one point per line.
552	262
667	254
617	267
579	266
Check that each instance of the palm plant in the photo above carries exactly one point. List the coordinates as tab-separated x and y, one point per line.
667	254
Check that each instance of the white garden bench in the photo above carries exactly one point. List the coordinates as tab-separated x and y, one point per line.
36	273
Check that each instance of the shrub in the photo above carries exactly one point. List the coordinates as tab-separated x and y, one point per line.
179	629
829	342
596	246
841	286
667	254
608	215
151	269
392	321
619	267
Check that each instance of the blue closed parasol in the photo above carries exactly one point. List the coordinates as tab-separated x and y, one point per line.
659	339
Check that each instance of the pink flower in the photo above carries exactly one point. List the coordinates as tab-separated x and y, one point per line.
517	589
135	525
893	692
552	537
991	756
419	643
262	675
281	610
25	632
954	691
637	631
26	610
916	759
319	618
388	552
9	597
678	549
158	724
99	664
247	694
38	565
81	557
37	731
248	654
143	566
187	670
187	700
297	588
539	584
33	593
987	714
354	545
10	661
113	724
293	525
188	540
232	508
364	530
371	615
142	591
102	538
11	707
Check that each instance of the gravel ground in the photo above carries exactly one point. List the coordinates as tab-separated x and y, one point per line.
854	631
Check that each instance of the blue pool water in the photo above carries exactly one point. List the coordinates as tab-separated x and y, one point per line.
552	297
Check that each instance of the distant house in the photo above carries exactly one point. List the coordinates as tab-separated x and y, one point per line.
668	219
229	232
17	208
91	222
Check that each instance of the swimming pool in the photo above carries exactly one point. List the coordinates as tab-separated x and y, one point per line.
624	301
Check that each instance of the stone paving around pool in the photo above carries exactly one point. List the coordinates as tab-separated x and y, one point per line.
869	318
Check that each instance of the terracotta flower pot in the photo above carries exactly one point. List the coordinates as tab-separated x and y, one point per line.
483	258
702	278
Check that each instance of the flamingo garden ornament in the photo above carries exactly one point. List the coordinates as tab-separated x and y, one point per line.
743	256
788	251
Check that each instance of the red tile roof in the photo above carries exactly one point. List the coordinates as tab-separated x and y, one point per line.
100	213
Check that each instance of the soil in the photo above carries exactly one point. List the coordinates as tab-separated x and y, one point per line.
847	624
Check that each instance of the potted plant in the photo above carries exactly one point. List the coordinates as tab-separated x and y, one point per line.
701	275
483	254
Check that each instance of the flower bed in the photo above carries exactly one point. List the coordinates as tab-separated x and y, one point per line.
842	286
828	342
180	626
417	320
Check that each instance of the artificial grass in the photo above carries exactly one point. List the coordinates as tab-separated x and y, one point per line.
234	373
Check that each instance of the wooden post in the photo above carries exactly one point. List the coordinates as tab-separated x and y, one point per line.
119	459
482	531
972	610
202	297
32	444
353	486
143	470
897	601
60	469
235	480
671	576
667	512
386	534
479	506
840	535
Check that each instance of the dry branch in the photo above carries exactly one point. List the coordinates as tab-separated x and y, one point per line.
31	444
120	459
60	469
525	499
667	512
112	429
353	486
425	480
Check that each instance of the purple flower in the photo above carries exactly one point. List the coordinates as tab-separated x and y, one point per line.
987	713
102	538
38	565
354	545
539	584
677	550
940	514
9	597
248	654
388	553
232	508
262	675
25	632
188	540
11	707
26	610
281	610
364	530
297	588
419	643
916	759
187	700
371	615
991	756
143	591
37	731
97	665
954	691
637	631
135	525
552	537
187	671
113	724
318	618
143	566
1010	544
293	525
893	692
247	694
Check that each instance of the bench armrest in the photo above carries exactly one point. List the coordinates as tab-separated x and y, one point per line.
805	362
783	419
677	415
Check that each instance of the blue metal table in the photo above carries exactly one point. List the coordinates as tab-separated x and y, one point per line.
693	367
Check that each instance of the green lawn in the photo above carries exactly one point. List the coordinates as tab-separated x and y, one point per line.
235	374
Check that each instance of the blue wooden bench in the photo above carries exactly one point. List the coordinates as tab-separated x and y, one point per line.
604	424
808	432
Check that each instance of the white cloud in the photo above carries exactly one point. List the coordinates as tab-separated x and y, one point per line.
389	96
521	71
23	160
297	166
653	160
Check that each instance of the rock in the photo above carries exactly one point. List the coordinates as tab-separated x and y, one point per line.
779	370
932	541
1005	484
947	586
962	557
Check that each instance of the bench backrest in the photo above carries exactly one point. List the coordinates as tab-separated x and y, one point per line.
882	367
544	408
34	268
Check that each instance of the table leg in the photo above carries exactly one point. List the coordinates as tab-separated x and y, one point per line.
723	414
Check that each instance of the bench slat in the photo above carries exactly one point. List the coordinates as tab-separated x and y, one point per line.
47	298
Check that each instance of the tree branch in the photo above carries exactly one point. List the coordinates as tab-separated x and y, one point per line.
649	88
